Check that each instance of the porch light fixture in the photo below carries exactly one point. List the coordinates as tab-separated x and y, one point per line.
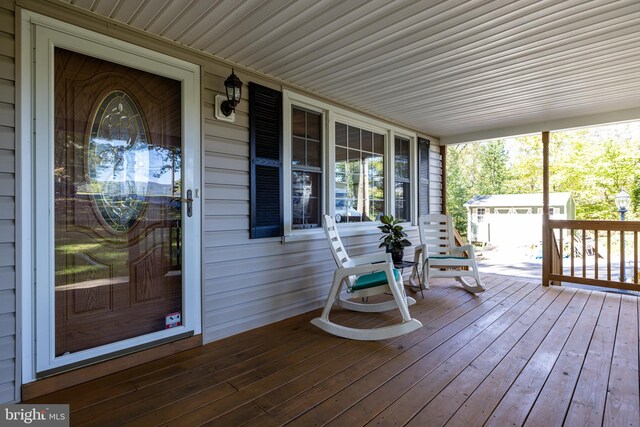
233	87
622	203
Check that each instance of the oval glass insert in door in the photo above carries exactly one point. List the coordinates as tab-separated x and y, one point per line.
118	162
118	224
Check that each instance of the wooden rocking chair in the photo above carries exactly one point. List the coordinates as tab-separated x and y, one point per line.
440	257
364	276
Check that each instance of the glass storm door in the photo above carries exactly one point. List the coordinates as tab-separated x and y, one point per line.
117	155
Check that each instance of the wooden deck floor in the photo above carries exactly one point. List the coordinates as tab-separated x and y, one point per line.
518	354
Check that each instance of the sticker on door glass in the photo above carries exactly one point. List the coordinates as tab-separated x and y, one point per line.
118	161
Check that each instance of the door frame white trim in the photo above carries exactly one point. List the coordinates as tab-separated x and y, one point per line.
39	34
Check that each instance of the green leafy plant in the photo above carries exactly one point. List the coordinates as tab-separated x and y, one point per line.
394	238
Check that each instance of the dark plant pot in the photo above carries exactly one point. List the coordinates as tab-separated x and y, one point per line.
397	255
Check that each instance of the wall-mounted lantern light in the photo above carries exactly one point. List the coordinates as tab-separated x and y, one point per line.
225	108
233	85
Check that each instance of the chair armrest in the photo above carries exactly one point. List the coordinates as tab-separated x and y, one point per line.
419	249
370	259
465	248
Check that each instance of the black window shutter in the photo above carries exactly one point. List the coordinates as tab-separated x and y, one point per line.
423	176
265	135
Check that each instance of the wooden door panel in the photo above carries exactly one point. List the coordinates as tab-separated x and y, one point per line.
117	178
148	280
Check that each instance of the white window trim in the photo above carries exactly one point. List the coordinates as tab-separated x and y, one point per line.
58	33
289	100
330	115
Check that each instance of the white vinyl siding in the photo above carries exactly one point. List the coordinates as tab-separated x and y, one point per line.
247	283
8	384
435	178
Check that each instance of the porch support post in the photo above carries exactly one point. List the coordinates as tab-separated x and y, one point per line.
546	238
443	155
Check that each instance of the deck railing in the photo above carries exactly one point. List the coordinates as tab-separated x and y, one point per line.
599	253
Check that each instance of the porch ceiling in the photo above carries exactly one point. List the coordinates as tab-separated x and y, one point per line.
453	69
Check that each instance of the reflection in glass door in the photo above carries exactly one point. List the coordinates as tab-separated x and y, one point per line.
117	183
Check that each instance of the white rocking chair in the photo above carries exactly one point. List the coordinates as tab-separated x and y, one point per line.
364	276
440	257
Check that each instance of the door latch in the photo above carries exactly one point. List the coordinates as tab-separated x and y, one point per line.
189	201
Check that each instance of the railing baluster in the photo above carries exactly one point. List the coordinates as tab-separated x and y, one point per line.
635	257
561	251
573	251
609	255
621	278
595	252
584	253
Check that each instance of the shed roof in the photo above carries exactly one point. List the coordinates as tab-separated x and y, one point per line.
511	200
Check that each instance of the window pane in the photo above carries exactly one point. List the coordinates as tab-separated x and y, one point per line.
354	186
341	168
376	166
313	153
354	137
402	158
306	153
298	122
378	143
367	140
305	199
377	209
402	201
341	134
313	125
298	151
359	191
402	161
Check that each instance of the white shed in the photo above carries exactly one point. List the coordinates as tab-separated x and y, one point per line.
513	218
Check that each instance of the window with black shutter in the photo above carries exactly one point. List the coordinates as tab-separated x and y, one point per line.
423	176
265	134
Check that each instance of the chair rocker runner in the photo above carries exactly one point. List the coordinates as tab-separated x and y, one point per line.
364	276
440	257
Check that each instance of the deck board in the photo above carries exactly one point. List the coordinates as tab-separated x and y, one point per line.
379	369
280	388
554	398
360	373
480	404
515	405
439	364
587	404
516	354
623	403
460	376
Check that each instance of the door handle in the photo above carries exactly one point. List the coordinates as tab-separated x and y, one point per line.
189	201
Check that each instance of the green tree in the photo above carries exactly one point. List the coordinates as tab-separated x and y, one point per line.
635	194
494	172
458	187
525	165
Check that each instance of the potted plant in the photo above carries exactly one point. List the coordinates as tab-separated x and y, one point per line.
394	238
